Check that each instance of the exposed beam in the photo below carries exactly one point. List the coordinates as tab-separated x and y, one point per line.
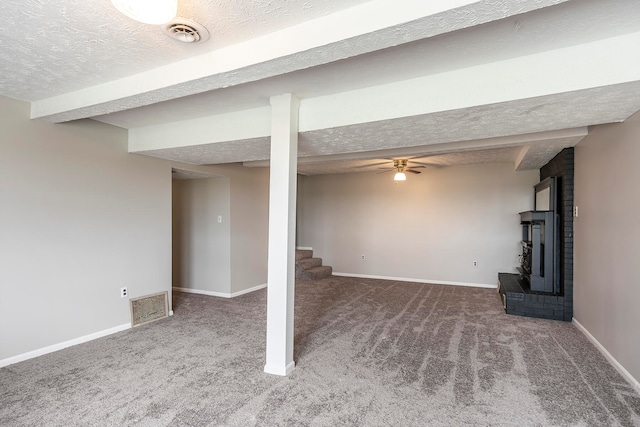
239	125
532	80
521	155
298	47
601	63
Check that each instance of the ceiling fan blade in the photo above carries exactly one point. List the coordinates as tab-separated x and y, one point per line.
411	170
370	165
417	167
388	170
385	162
425	165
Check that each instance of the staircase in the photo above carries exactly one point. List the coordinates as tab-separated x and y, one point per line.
309	268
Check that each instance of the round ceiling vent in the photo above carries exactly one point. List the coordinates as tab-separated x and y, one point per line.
186	31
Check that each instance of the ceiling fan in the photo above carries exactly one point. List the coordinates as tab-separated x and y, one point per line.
400	166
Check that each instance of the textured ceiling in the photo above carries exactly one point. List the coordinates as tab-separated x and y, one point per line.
493	155
74	44
75	59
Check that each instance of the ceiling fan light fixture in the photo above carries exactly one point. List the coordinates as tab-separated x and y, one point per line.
154	12
400	165
400	176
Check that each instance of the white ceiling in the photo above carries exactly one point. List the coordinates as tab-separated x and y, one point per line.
445	81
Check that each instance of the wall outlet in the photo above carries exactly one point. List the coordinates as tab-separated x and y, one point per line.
362	257
575	211
475	263
124	293
220	219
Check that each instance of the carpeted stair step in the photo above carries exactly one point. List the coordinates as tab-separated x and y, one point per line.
310	268
316	273
303	253
306	264
309	263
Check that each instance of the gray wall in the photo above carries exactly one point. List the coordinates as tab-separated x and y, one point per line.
80	219
243	193
201	244
607	239
431	227
249	227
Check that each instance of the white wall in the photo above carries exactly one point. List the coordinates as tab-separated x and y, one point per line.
80	219
607	239
201	244
431	227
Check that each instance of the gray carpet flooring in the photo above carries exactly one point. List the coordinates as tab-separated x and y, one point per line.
368	353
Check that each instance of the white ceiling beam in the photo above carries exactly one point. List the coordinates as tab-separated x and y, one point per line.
601	63
361	29
240	125
521	156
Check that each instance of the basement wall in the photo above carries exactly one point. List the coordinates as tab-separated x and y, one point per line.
80	219
607	240
249	227
201	244
222	259
431	227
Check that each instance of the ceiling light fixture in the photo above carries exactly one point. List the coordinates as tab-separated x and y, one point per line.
400	176
154	12
400	166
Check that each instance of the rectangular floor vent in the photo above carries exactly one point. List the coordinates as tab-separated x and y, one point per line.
149	308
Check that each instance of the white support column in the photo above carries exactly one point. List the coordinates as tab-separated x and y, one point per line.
282	232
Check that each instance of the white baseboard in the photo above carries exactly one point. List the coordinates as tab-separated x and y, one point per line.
304	248
406	279
60	346
246	291
627	376
220	294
